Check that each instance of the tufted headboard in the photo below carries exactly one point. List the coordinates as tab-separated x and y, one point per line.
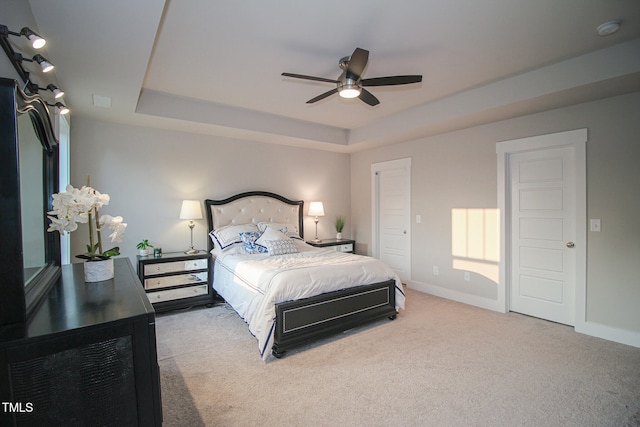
253	207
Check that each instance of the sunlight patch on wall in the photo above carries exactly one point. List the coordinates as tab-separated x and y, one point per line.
475	241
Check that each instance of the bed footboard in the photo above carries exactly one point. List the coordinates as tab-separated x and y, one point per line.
307	319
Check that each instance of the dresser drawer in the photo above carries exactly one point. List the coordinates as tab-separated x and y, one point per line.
171	267
178	279
347	247
172	294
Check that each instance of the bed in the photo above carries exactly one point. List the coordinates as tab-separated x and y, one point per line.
289	292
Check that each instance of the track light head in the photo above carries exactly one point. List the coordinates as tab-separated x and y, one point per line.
63	108
44	63
57	92
37	42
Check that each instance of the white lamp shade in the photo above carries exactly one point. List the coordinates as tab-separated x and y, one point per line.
316	209
191	210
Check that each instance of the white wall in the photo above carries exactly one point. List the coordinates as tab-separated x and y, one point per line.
458	170
148	172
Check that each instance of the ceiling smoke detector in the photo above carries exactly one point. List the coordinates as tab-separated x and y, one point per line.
609	28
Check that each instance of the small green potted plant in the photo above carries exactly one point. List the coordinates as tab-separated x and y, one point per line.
143	247
340	220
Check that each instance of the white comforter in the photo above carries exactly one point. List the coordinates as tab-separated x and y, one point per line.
253	284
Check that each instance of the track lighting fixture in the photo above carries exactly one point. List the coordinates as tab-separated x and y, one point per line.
57	92
63	108
44	63
30	87
37	42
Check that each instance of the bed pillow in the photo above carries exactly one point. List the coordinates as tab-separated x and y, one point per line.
229	235
289	229
281	247
249	240
271	234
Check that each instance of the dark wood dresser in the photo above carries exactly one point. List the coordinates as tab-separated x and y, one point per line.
86	357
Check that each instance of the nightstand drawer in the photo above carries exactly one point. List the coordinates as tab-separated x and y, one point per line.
348	247
178	279
172	294
170	267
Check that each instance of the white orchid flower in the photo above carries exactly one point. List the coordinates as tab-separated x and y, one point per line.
75	205
115	224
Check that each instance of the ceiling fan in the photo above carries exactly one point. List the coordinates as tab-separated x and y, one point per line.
350	84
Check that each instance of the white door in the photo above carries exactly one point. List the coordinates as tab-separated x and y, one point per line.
391	184
543	232
542	194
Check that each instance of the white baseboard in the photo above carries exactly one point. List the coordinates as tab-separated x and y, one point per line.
454	295
622	336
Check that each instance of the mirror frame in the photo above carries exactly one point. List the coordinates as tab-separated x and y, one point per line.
18	301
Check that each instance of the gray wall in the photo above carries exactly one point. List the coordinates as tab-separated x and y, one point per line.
459	170
148	172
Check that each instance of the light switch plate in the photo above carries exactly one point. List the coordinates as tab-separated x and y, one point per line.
595	225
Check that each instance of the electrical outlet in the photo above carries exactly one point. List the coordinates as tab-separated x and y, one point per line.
467	276
435	271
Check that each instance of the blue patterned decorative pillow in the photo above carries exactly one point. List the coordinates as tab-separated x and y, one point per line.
249	239
281	247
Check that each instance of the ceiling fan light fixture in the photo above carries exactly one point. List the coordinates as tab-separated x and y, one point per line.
349	89
350	93
350	84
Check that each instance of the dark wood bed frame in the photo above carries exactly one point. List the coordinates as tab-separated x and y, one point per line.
308	319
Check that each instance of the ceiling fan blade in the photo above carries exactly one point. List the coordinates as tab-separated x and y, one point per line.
357	63
302	76
368	98
391	80
322	96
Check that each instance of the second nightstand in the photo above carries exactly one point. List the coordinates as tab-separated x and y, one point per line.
342	245
176	280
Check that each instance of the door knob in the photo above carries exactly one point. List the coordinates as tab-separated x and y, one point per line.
570	244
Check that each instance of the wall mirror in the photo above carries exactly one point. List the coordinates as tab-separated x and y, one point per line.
30	159
29	176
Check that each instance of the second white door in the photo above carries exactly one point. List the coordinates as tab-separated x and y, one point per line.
391	182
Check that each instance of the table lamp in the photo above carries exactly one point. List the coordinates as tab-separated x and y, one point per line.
316	209
191	210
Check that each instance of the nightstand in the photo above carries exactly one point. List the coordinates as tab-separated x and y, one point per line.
342	245
176	280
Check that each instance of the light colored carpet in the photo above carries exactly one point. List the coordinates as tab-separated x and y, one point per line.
440	363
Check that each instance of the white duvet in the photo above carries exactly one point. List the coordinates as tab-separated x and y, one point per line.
253	284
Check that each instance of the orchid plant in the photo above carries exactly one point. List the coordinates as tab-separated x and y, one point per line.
81	205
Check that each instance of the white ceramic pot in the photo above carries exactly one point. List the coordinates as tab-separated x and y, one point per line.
339	236
143	252
98	271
